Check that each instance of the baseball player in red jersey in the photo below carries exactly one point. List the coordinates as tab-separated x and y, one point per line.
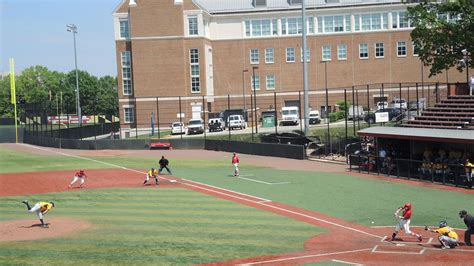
404	221
80	175
235	163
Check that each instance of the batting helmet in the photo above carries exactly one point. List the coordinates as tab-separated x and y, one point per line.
443	224
81	171
462	214
407	206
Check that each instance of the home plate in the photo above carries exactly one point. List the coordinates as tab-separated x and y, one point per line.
400	245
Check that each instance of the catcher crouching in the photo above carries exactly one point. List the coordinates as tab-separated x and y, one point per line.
447	236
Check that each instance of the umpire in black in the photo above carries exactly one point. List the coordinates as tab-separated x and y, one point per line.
469	221
164	164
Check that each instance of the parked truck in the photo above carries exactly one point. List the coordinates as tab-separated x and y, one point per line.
355	112
289	115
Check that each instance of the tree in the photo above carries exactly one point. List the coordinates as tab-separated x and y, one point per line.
441	32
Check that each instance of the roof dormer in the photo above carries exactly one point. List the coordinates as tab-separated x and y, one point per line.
295	2
259	3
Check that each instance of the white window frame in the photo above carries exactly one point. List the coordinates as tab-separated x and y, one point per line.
269	55
257	82
383	50
399	47
323	28
414	50
193	31
255	27
397	24
360	50
324	56
299	26
272	78
339	50
127	85
132	120
294	56
382	21
127	28
254	53
194	78
308	54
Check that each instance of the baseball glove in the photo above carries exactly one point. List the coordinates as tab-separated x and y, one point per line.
426	228
43	208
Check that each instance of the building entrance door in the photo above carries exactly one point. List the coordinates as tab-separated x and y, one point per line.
196	109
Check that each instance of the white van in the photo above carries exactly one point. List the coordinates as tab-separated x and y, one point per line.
314	117
289	115
236	121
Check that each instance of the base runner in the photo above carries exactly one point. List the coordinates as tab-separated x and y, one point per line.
404	221
40	208
80	175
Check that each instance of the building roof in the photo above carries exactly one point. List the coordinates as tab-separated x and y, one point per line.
423	134
225	6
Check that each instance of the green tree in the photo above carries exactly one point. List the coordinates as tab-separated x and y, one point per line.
441	32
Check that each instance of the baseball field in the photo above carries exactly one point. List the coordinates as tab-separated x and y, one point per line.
278	212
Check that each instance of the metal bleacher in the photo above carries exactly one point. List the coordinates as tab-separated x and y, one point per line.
456	112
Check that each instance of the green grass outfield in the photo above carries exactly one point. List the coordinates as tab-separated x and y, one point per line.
153	226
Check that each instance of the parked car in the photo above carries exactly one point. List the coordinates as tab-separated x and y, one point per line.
399	103
355	112
195	126
289	115
314	117
382	105
394	114
236	121
178	128
216	124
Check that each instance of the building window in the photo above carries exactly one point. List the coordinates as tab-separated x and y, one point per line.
334	24
326	53
269	56
129	114
308	54
401	49
257	83
416	50
254	56
373	21
400	20
124	33
261	27
293	26
290	54
194	70
379	51
363	51
192	25
270	82
126	73
341	52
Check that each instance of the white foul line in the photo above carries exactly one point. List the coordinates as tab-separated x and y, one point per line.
263	182
374	250
346	262
263	202
306	256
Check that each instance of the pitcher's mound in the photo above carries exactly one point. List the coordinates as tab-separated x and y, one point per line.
31	229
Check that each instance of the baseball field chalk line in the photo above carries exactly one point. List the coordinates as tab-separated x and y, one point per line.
374	250
263	182
306	256
429	240
262	201
411	226
346	262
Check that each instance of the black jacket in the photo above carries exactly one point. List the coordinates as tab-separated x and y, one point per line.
163	162
469	221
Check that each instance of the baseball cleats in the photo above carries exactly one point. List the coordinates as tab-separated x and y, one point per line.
420	238
44	226
24	201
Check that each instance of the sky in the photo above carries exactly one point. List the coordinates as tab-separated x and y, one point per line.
33	32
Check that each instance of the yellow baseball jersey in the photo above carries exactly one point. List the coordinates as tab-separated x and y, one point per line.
153	173
447	231
45	206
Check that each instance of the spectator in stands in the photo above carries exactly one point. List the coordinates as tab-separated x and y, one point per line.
471	86
426	166
441	163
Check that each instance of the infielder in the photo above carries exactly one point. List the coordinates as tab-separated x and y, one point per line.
40	208
404	221
80	175
235	163
447	236
152	173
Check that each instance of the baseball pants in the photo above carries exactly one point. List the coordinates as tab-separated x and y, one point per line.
405	224
76	178
37	210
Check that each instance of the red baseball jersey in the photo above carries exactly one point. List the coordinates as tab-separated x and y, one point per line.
406	214
80	173
235	159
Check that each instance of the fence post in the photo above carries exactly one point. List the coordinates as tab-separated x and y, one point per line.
398	167
357	103
204	116
437	91
180	115
253	110
400	93
50	117
276	114
299	109
345	116
368	102
158	119
408	101
228	118
136	118
417	101
353	111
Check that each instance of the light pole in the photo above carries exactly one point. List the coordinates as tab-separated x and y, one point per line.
73	28
254	98
243	91
465	61
327	97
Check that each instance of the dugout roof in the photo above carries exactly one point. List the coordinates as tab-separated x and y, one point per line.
421	134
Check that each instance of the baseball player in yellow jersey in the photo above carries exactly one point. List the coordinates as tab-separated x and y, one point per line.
40	208
152	173
447	236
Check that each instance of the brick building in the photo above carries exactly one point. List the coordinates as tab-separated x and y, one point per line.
201	51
